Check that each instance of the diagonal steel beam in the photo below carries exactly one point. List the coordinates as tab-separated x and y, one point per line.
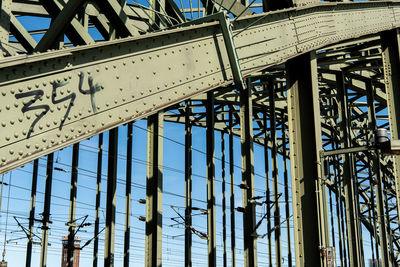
115	13
75	31
22	34
59	25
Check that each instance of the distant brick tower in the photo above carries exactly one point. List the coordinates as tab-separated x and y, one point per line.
64	257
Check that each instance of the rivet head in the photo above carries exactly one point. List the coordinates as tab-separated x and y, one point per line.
11	152
3	159
8	138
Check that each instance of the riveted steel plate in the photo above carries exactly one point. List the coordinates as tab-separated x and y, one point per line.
48	104
54	99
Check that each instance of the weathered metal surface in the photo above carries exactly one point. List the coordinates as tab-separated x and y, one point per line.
55	99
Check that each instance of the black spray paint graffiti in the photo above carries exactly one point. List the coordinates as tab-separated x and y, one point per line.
58	101
93	89
38	94
28	106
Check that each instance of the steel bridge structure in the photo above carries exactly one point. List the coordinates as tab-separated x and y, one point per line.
305	81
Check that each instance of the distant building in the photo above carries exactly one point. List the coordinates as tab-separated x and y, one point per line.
64	257
374	263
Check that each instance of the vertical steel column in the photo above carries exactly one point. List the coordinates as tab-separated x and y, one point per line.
249	214
275	175
154	187
32	212
211	229
72	205
338	196
128	186
267	186
391	70
46	210
310	231
372	211
98	194
232	189
380	205
223	196
111	198
188	186
285	177
351	206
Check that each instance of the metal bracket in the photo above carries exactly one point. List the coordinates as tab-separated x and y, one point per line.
227	33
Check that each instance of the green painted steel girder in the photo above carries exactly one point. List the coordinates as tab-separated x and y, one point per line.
309	203
54	99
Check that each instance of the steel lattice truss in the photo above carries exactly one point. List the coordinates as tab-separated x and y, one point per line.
302	79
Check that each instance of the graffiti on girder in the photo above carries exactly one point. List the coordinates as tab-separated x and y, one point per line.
56	99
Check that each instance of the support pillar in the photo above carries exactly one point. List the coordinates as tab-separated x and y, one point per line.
111	198
286	182
46	211
211	229
391	70
98	194
249	214
154	185
377	177
72	206
275	176
232	189
267	188
188	186
32	212
352	219
310	231
223	197
128	186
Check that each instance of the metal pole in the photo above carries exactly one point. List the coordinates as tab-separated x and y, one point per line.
98	195
32	212
128	186
249	214
111	198
188	186
275	177
211	229
154	187
223	197
380	205
232	189
267	192
352	220
72	206
285	177
46	210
